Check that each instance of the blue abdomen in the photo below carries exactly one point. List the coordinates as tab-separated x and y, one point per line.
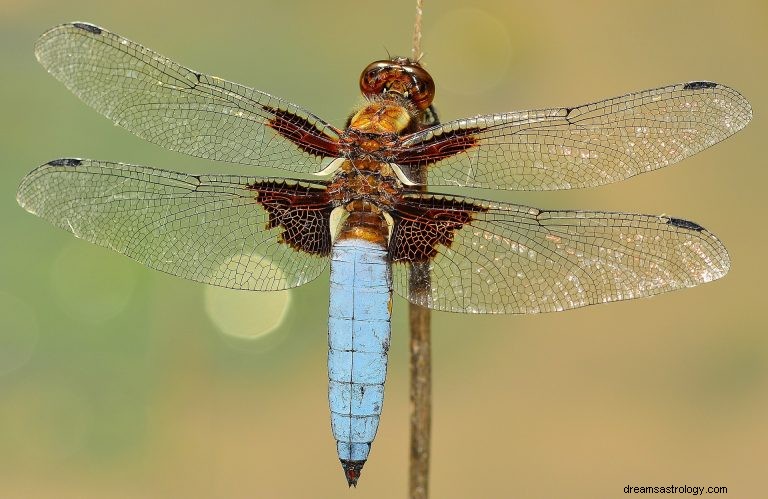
358	339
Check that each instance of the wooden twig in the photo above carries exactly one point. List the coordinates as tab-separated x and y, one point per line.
419	287
421	385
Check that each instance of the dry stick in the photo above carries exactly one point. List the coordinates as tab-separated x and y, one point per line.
421	383
421	352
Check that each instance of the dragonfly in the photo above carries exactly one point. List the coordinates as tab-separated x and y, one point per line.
368	209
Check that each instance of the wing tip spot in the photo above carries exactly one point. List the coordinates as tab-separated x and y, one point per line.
685	224
698	85
90	28
66	162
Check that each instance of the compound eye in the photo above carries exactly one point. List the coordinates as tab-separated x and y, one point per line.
401	77
423	88
376	77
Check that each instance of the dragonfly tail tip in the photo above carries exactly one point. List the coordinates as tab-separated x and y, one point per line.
352	470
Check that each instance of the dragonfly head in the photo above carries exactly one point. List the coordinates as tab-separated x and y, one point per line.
400	76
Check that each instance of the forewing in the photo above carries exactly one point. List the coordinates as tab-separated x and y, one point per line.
487	257
181	109
583	146
235	232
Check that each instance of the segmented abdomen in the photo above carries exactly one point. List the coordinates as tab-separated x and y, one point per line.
358	339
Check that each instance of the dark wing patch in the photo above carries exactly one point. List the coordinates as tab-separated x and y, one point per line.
422	223
302	211
303	133
437	148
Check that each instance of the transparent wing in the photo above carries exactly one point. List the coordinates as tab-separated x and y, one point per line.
235	232
181	109
503	258
583	146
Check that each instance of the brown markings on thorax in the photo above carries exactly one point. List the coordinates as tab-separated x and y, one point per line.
380	129
423	223
384	116
365	179
373	131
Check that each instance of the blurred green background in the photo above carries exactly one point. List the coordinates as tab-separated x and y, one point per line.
120	382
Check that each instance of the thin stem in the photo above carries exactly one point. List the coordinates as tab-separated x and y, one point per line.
421	403
419	288
416	48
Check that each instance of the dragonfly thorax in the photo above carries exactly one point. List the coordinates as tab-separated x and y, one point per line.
387	117
365	180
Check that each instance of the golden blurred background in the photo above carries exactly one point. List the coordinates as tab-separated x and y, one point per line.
121	382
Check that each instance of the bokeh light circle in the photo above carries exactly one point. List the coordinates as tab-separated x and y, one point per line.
247	315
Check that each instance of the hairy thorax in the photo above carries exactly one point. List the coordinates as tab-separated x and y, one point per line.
367	175
364	180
